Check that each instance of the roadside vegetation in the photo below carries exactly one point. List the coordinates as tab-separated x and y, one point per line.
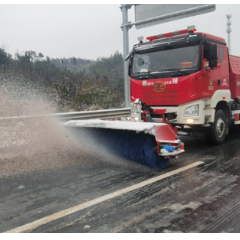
70	84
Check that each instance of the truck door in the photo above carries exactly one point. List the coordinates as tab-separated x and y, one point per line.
211	80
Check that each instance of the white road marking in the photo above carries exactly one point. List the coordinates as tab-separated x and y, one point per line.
42	221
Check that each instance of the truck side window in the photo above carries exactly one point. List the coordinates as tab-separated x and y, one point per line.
221	51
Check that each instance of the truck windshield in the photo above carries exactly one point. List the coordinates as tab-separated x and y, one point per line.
166	60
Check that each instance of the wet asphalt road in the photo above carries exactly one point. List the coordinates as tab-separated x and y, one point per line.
205	198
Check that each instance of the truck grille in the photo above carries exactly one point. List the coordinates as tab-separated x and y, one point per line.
166	97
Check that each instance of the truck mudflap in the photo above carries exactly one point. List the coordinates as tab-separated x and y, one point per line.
144	142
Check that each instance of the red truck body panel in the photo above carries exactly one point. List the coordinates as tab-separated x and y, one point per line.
167	91
234	76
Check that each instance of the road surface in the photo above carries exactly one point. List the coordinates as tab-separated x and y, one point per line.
86	190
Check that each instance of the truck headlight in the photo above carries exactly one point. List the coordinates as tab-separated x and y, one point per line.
192	111
136	119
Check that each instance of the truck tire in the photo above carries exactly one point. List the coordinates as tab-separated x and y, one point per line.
219	128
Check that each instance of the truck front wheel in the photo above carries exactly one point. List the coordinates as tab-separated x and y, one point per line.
218	130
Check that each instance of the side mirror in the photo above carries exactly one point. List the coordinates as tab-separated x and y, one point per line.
213	51
213	61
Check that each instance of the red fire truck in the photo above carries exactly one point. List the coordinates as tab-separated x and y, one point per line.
187	79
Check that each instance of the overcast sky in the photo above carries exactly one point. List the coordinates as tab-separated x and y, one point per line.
92	31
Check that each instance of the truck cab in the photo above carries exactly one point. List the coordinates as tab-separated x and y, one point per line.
184	78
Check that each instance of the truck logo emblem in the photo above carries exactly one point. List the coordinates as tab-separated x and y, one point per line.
159	86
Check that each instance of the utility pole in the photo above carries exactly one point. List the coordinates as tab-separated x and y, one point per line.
229	30
125	28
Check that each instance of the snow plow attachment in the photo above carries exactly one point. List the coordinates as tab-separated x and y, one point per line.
149	143
144	142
